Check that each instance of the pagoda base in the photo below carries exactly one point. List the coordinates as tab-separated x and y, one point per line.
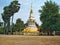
30	34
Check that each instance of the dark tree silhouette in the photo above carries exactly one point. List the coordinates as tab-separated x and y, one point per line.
9	11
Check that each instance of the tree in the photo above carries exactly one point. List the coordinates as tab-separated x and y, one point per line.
50	16
15	6
8	12
19	26
6	18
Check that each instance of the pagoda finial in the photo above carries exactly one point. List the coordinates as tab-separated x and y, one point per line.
31	5
31	9
16	0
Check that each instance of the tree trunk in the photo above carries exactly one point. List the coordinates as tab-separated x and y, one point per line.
8	25
12	25
4	28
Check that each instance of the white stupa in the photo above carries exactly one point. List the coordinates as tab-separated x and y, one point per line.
31	28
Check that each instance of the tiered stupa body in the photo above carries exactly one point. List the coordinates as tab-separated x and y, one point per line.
31	28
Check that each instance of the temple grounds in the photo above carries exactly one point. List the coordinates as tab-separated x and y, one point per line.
29	40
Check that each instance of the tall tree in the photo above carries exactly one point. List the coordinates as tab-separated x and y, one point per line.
50	16
10	11
15	6
6	17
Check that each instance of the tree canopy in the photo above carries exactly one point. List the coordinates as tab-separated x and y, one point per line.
50	16
9	11
19	26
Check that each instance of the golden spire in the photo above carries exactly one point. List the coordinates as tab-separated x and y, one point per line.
31	11
15	0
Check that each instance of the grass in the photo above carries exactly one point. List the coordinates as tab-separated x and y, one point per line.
29	40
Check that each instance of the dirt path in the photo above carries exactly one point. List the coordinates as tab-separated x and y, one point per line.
29	40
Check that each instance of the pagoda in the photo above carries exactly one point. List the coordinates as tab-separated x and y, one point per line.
31	29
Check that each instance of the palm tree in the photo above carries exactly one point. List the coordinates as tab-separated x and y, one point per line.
15	6
8	12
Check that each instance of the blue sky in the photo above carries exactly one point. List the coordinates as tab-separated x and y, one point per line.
24	11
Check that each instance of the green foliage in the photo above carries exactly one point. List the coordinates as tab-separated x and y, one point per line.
1	23
19	26
1	30
50	16
9	11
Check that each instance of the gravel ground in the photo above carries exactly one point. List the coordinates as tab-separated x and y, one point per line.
29	40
